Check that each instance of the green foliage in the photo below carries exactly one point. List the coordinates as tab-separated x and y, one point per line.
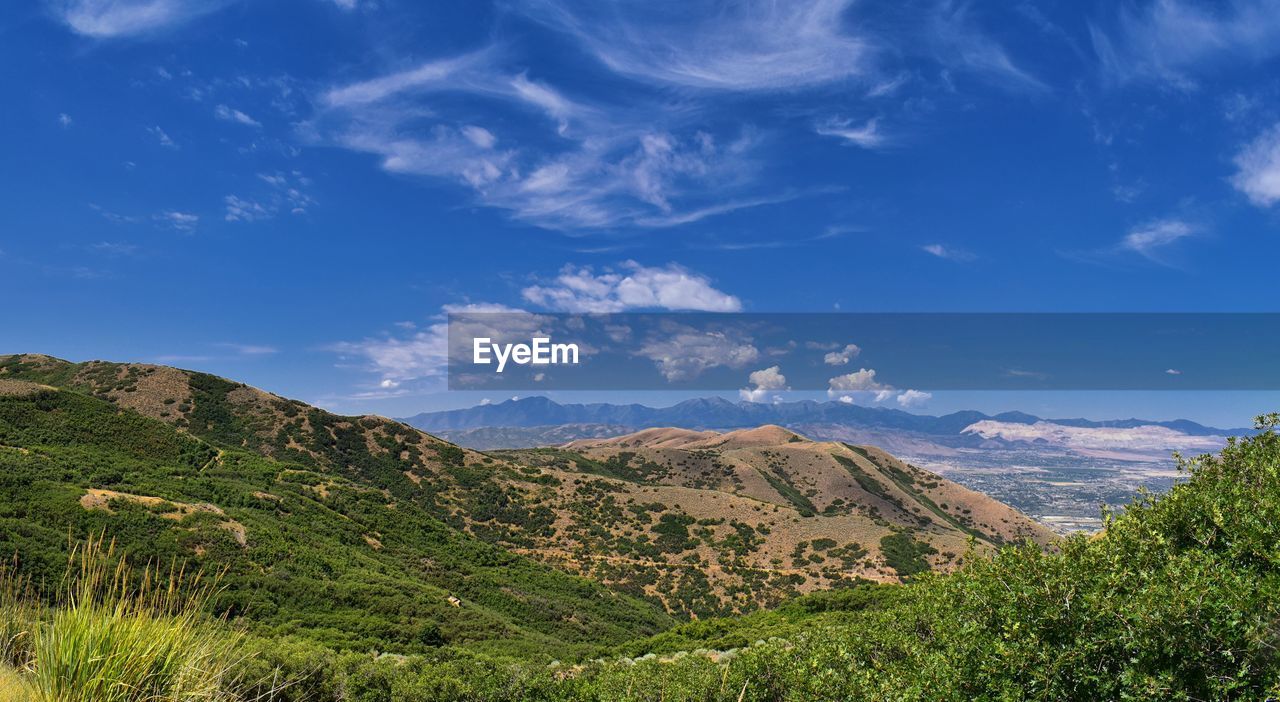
905	554
122	636
306	567
1177	600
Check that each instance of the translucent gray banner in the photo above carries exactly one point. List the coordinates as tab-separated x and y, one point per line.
864	353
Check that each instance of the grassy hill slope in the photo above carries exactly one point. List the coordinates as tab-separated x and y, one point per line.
309	550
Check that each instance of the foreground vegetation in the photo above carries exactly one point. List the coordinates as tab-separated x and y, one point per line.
1178	599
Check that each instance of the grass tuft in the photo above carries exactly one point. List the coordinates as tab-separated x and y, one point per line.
118	634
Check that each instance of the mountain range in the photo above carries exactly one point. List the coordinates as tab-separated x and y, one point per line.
719	413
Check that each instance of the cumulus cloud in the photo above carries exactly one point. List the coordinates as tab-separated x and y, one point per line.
863	385
1258	169
914	398
861	380
763	382
670	287
687	354
64	120
108	19
842	356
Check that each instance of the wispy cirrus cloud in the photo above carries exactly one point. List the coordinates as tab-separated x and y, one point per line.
751	45
959	43
1174	41
599	170
229	114
867	134
1150	239
951	253
110	19
644	158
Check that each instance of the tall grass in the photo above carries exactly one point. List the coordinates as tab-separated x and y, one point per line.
117	634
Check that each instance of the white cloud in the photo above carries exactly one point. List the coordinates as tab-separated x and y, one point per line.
447	152
1150	440
842	356
958	43
289	191
64	120
947	252
1258	169
861	380
914	398
242	210
287	194
762	383
685	355
107	19
251	349
1149	238
420	356
750	45
182	221
866	135
1170	41
636	166
228	114
481	137
114	248
471	71
670	287
1172	371
162	137
548	99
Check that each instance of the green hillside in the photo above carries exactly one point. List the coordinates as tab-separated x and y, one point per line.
308	552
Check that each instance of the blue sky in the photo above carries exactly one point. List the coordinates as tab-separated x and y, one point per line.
292	193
